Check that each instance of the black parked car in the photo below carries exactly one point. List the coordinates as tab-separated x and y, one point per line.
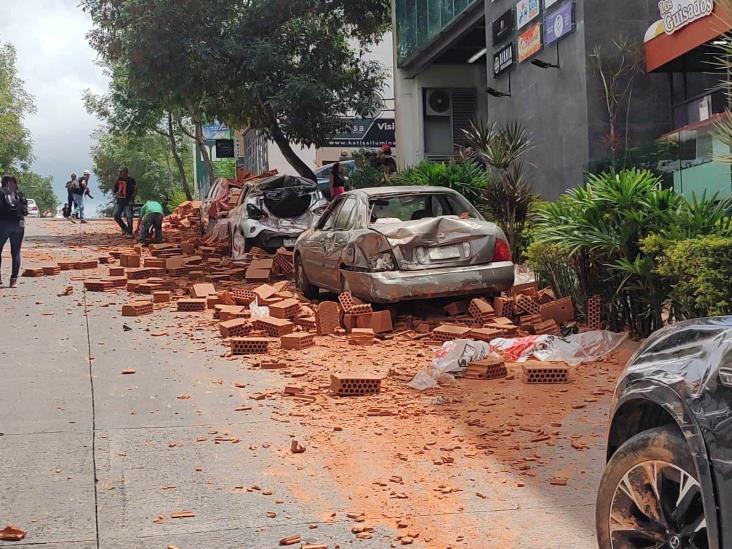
668	480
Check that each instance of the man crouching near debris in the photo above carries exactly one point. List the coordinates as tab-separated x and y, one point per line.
151	219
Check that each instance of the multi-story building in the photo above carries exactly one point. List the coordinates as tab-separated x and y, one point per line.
538	62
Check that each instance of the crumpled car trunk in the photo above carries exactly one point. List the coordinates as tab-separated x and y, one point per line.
286	197
439	242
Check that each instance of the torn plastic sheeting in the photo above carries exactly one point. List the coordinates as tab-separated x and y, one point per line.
574	349
453	356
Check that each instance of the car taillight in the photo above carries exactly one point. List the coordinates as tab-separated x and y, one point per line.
501	251
383	262
255	213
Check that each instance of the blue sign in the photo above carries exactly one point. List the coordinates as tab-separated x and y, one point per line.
559	23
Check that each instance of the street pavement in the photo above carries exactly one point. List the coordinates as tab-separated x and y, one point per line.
92	457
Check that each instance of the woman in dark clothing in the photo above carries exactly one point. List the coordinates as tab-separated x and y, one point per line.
13	209
337	183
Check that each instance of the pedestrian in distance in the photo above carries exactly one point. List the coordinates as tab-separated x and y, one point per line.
336	183
13	209
124	192
78	192
72	183
387	163
151	220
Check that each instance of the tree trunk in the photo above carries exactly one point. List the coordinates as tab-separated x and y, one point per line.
178	159
204	153
284	145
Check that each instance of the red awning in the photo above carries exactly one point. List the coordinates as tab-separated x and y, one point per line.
664	48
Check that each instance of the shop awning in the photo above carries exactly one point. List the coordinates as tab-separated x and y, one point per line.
663	49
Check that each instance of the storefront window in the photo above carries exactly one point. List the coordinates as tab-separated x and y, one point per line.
419	21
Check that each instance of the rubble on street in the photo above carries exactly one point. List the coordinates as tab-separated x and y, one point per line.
344	369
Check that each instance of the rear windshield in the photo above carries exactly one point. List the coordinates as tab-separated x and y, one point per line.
412	207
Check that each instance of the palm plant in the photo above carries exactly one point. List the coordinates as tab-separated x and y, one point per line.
508	195
601	226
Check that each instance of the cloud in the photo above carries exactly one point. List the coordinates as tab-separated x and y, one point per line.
57	65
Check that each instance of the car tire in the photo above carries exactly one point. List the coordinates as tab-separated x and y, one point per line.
663	455
301	279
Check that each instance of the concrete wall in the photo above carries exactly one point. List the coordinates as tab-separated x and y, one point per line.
410	109
550	103
650	114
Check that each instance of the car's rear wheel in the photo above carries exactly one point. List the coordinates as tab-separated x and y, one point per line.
650	495
303	284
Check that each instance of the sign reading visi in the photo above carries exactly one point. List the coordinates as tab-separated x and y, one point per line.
676	14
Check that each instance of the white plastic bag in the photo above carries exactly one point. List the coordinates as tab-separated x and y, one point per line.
453	356
256	311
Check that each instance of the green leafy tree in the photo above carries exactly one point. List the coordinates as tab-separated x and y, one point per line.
15	105
149	160
124	113
286	68
40	189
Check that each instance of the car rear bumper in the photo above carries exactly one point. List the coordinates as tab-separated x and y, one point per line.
390	287
271	241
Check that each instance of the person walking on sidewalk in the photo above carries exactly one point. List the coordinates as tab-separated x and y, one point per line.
151	219
124	194
13	209
79	191
71	184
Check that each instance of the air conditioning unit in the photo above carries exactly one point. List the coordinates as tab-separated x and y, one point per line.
438	103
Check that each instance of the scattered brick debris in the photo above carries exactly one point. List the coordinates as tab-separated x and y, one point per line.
12	533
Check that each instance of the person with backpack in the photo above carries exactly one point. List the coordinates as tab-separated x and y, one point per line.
124	192
13	209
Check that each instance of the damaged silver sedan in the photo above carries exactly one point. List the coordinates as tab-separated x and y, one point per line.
391	244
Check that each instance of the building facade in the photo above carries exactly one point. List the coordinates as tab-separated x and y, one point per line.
541	63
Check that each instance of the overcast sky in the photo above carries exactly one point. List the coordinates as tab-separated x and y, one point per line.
57	64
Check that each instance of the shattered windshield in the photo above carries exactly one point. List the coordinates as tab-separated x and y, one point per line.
413	207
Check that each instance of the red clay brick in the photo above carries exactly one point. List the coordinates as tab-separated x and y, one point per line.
561	310
287	308
191	305
328	317
129	260
354	384
203	290
162	296
274	327
235	328
298	341
448	332
248	345
137	308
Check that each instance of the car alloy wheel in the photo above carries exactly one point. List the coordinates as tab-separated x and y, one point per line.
657	504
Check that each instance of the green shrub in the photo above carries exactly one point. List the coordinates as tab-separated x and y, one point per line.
699	271
467	178
552	266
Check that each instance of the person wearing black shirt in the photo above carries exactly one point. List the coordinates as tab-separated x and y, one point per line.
13	209
124	192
